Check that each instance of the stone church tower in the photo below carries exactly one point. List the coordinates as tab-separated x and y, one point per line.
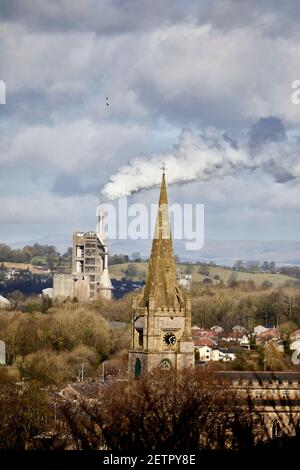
161	316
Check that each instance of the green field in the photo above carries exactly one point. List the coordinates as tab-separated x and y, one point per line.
118	271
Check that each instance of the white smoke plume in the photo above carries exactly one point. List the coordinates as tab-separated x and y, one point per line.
209	155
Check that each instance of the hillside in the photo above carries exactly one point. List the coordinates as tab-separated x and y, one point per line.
119	271
137	272
224	252
24	267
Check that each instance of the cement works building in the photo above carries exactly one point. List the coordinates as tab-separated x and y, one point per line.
90	278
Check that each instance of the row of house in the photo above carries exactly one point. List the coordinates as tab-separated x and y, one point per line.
209	344
264	335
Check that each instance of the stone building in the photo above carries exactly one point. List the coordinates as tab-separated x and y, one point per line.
4	303
274	398
2	353
90	278
71	286
161	316
90	259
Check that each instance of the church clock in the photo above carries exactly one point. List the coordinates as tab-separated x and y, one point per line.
169	339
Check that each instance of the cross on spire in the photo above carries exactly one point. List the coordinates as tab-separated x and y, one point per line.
163	168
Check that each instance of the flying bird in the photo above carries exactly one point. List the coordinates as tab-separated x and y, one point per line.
107	103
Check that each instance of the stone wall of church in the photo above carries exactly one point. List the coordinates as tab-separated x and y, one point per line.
150	361
148	344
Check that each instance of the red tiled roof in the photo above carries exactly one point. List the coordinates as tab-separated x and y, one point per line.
233	334
271	333
201	333
204	341
295	333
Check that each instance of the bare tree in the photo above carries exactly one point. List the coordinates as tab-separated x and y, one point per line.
163	410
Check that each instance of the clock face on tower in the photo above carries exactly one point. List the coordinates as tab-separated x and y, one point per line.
169	339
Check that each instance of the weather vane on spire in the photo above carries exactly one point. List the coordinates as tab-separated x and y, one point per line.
163	168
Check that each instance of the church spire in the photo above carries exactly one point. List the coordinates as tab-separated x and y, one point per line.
161	286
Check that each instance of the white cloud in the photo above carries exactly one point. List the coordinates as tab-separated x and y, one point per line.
47	209
280	197
80	146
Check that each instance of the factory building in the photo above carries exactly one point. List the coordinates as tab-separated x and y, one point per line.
90	278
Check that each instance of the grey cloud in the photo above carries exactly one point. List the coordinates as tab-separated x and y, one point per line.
103	17
266	130
270	148
273	17
185	74
32	106
121	16
69	185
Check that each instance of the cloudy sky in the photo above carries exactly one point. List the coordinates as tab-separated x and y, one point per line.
203	85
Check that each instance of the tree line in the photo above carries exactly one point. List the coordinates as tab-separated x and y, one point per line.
245	304
26	254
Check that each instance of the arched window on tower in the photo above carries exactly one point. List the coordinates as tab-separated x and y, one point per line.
137	368
276	428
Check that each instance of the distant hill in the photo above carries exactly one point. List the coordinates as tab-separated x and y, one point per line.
61	242
226	252
222	252
215	273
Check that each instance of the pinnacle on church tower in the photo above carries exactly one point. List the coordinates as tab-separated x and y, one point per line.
161	282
